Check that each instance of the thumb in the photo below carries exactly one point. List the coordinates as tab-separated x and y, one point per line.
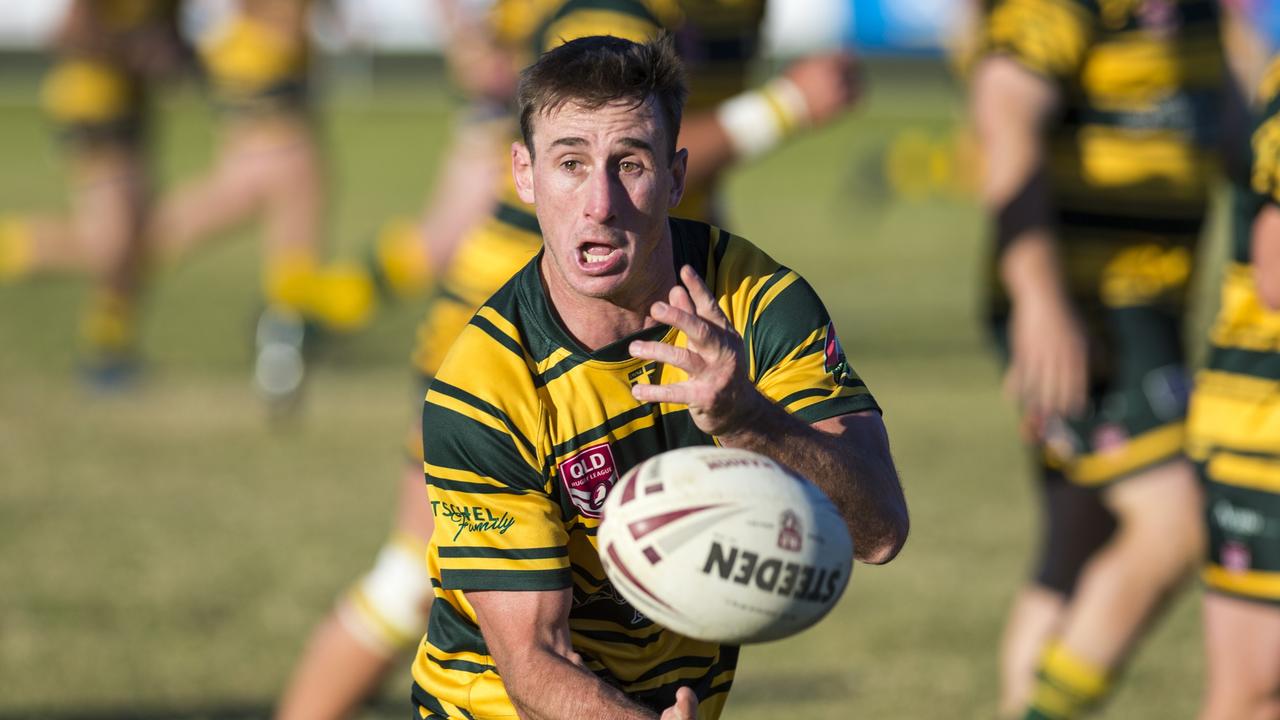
686	707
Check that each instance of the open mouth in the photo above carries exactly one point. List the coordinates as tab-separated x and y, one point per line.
598	257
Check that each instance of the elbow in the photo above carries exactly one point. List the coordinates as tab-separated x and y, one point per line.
888	547
886	540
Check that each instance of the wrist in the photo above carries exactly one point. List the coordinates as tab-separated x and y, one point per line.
750	422
757	120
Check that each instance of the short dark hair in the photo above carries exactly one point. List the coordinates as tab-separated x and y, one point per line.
595	71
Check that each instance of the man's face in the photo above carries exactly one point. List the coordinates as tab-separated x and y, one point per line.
602	183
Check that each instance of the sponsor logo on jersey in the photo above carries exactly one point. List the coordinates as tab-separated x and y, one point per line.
790	536
1238	520
834	360
472	518
588	476
1110	438
1235	556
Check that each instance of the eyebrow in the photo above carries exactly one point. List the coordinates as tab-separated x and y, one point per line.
637	144
573	141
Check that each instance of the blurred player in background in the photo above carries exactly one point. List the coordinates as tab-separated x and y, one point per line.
725	122
110	55
269	167
1234	436
1097	123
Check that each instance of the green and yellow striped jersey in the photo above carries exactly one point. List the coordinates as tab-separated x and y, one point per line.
1264	167
1245	356
524	432
1132	158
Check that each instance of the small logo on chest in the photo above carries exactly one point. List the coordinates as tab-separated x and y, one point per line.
588	476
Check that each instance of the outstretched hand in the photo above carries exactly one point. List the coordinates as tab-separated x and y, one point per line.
686	707
720	397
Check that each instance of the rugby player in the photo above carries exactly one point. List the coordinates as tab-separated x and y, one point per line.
269	167
727	121
629	334
1234	437
1096	121
110	54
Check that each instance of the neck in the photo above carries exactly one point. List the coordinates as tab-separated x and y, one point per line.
596	322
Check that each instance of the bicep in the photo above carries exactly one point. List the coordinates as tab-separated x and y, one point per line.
1011	108
518	624
864	430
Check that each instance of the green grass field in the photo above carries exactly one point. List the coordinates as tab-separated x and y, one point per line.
165	552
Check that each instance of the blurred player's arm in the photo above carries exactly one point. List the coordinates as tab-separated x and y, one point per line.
527	633
1265	252
1011	108
81	30
811	92
846	456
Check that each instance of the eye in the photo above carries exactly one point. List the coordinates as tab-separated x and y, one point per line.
630	166
571	166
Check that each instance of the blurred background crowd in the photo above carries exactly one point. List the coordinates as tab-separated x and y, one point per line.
237	237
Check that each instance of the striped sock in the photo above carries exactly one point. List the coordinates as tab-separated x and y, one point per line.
1067	686
107	327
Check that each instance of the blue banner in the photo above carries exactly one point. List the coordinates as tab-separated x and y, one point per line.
902	26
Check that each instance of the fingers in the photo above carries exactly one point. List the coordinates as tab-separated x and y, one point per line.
675	393
1048	383
679	298
666	353
694	326
703	301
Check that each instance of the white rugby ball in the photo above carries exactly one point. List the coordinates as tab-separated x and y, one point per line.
724	545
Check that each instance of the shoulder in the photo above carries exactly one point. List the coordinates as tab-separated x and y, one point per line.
490	360
1048	37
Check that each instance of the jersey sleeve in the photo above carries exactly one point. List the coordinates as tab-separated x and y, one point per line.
496	526
1048	37
795	357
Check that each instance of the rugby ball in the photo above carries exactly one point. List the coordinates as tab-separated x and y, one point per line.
724	545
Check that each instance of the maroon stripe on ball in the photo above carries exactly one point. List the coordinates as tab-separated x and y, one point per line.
617	562
652	555
640	528
654	488
629	492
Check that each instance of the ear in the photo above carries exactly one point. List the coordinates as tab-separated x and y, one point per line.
522	171
679	171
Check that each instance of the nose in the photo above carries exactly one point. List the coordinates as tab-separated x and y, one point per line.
600	203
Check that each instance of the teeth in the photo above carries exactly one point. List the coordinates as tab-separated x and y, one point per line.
594	256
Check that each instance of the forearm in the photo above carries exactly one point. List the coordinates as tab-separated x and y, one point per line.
1266	256
545	685
859	477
